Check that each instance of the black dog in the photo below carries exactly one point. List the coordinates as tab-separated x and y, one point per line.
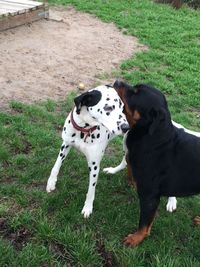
165	160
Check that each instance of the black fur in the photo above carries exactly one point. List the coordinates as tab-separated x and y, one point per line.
165	160
87	99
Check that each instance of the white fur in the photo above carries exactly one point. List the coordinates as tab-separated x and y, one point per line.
171	204
177	125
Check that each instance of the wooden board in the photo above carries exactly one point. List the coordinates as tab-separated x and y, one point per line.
14	13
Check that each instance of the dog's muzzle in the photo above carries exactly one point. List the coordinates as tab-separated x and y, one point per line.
125	127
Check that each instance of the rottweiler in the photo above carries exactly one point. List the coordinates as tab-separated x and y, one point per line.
165	160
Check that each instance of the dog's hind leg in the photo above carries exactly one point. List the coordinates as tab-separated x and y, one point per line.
94	167
123	164
113	170
64	150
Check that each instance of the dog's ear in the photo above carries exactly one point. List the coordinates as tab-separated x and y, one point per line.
156	116
87	99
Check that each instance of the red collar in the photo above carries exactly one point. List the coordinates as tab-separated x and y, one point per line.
81	129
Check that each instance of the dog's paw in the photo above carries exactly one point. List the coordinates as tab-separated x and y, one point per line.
133	240
86	211
171	204
109	170
50	187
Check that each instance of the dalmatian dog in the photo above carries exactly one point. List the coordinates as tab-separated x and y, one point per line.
96	118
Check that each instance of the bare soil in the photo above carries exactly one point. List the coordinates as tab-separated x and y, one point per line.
48	58
18	238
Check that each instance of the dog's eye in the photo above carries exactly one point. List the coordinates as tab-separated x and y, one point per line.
108	108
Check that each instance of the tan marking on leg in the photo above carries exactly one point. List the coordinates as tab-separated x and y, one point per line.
135	239
197	220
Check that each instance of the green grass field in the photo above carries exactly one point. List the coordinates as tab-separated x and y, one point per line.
40	229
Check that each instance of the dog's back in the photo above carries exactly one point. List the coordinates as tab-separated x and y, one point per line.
182	165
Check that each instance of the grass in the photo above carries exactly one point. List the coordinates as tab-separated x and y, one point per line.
40	229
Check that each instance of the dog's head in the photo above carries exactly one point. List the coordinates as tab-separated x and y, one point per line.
102	106
144	105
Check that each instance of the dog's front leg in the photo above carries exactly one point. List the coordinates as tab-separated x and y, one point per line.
148	207
64	150
94	166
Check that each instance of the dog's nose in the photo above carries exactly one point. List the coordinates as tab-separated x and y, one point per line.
125	127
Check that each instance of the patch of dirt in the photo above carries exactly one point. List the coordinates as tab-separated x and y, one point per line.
178	3
61	253
107	256
18	238
48	58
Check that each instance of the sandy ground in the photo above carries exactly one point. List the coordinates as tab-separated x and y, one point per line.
48	58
